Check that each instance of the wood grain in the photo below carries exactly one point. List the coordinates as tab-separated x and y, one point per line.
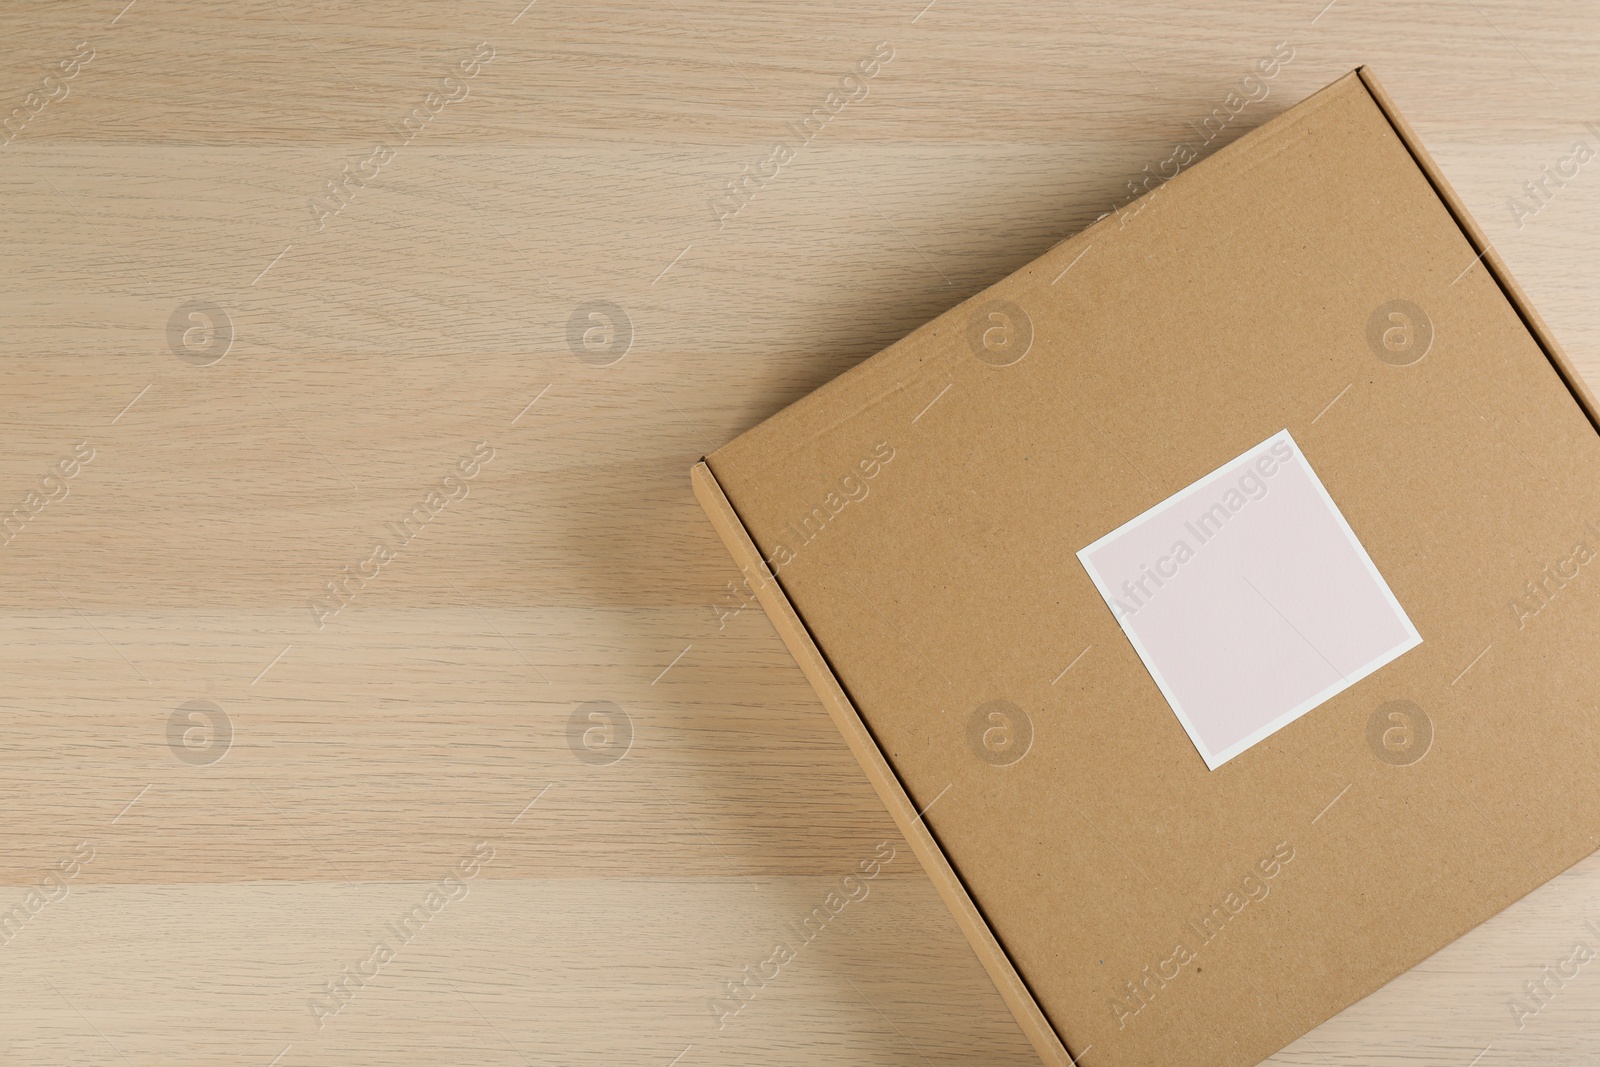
367	756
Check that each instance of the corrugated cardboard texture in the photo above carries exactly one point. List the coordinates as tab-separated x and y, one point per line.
922	513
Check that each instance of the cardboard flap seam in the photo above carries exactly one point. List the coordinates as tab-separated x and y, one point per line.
797	637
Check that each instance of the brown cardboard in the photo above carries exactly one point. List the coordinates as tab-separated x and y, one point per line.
922	513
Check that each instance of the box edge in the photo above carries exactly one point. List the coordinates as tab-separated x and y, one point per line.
1468	225
797	638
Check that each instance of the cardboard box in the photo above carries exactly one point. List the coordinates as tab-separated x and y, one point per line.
1312	297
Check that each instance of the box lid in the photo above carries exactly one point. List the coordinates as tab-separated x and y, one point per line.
923	513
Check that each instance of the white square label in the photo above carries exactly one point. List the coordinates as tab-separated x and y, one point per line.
1249	599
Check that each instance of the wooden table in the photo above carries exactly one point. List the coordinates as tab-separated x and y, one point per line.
468	282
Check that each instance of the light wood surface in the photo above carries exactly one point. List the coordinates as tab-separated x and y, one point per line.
369	756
